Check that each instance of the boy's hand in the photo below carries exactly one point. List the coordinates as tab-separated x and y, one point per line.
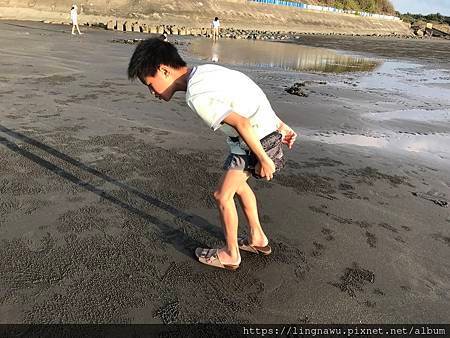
289	135
265	168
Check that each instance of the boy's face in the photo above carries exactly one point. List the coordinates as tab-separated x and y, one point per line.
161	84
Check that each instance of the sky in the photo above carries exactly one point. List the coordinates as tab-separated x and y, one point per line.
422	6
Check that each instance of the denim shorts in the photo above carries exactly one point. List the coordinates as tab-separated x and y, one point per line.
272	145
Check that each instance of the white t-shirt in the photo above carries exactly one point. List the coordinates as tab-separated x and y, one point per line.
214	91
74	15
216	23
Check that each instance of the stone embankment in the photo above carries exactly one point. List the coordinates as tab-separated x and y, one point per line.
230	33
194	17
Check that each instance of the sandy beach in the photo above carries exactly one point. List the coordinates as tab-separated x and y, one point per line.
105	191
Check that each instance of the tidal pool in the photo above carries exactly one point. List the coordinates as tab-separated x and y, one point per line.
419	115
279	55
435	145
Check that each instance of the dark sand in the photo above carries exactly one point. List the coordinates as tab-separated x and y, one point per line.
105	192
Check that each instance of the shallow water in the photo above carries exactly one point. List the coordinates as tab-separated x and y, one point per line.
410	80
421	115
406	83
436	146
279	55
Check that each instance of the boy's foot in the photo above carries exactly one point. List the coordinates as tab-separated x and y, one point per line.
244	244
211	257
73	34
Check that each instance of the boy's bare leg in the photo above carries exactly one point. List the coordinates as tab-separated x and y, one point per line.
78	29
256	235
224	194
73	29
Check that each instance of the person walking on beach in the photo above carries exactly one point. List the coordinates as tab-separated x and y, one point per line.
215	25
228	100
163	36
74	18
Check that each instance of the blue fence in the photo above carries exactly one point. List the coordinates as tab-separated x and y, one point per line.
325	9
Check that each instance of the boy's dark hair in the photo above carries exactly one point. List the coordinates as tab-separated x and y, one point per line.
149	55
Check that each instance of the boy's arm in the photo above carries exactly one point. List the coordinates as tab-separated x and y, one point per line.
289	135
245	130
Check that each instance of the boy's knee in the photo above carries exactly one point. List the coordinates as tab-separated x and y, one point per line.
240	190
243	189
222	197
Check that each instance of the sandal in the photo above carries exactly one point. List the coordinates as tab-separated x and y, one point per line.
243	245
211	257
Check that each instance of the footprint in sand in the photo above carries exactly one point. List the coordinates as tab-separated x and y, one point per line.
371	239
318	249
354	279
328	234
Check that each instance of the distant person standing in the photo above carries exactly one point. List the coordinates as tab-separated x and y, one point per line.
163	36
215	28
74	18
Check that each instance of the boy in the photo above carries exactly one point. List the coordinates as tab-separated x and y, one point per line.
228	100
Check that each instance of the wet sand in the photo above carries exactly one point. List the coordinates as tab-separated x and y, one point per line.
105	193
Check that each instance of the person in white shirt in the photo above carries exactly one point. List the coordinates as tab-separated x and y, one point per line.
215	25
74	18
228	100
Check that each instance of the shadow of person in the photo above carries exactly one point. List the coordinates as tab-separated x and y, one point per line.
36	28
177	237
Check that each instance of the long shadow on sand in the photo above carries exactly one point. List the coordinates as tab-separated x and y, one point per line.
166	228
38	28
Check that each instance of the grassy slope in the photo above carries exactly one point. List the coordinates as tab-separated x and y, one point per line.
371	6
